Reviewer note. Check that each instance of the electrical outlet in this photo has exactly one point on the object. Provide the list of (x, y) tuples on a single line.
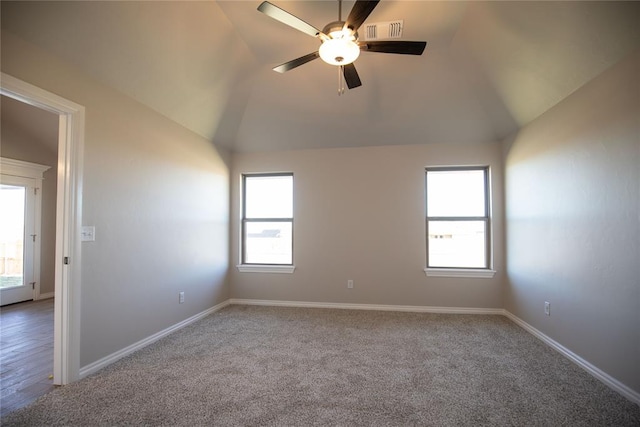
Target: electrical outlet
[(350, 284), (547, 308), (181, 297)]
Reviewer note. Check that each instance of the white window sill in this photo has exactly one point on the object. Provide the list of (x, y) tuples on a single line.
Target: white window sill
[(479, 273), (256, 268)]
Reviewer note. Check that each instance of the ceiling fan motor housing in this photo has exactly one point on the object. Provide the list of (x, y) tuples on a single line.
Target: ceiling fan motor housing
[(340, 46)]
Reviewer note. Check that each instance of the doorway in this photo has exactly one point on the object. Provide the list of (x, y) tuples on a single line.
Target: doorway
[(20, 219), (16, 249), (66, 358)]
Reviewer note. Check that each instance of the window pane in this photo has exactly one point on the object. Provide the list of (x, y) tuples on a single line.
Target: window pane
[(268, 243), (457, 244), (455, 193), (269, 196), (12, 200)]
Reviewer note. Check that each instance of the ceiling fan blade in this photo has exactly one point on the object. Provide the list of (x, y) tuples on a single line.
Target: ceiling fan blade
[(401, 47), (351, 76), (286, 18), (359, 13), (296, 62)]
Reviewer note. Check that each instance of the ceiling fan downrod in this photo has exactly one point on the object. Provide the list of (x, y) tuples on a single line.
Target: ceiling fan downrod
[(340, 67)]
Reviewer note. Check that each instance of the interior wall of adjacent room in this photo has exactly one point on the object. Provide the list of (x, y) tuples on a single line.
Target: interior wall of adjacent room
[(572, 180), (359, 214), (158, 196), (18, 145)]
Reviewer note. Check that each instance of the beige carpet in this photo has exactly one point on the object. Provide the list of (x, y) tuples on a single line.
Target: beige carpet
[(297, 367)]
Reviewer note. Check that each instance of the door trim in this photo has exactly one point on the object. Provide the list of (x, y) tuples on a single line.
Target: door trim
[(66, 357)]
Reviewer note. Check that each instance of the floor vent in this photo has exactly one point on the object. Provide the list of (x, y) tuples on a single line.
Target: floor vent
[(383, 30)]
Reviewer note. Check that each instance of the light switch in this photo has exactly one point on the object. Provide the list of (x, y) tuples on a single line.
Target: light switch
[(88, 233)]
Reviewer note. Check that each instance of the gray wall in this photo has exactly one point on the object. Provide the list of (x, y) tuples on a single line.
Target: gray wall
[(20, 145), (359, 213), (572, 184), (158, 196)]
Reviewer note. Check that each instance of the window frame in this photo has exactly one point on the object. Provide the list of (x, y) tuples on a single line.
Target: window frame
[(262, 267), (487, 270)]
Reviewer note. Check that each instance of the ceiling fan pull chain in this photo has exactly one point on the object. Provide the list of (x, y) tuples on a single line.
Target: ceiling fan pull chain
[(340, 80)]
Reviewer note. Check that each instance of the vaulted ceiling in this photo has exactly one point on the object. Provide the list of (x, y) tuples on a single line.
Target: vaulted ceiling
[(488, 69)]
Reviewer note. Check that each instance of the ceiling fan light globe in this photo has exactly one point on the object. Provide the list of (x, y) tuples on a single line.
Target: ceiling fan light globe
[(339, 51)]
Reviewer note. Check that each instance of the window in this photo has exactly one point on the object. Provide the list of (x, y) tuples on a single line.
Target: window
[(267, 219), (458, 223)]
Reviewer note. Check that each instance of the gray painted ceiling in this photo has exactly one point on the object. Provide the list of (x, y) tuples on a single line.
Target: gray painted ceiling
[(489, 67)]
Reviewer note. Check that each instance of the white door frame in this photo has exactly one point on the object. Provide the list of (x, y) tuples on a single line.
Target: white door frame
[(66, 357)]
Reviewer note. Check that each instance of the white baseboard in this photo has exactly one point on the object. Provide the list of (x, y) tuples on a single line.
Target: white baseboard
[(607, 379), (373, 307), (107, 360), (45, 295)]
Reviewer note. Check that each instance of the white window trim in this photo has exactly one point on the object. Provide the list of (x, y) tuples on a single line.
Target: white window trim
[(260, 268), (479, 273), (257, 268)]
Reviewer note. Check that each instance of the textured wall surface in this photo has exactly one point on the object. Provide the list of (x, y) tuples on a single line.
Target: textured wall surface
[(573, 222), (158, 195), (359, 213)]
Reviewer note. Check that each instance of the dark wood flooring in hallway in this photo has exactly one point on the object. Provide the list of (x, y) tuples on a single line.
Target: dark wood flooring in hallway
[(26, 353)]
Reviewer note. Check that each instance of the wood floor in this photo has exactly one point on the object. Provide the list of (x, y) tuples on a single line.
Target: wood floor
[(26, 353)]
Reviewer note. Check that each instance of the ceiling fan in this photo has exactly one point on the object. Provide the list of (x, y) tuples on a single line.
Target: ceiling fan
[(340, 45)]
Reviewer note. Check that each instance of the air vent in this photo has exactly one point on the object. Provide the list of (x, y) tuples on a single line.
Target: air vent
[(383, 30)]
